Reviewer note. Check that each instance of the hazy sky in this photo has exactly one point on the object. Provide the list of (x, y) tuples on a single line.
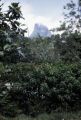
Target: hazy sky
[(47, 12)]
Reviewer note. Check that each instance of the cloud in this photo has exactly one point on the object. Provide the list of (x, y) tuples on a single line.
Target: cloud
[(31, 18), (26, 9)]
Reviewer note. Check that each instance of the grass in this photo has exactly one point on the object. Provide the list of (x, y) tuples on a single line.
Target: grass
[(52, 116)]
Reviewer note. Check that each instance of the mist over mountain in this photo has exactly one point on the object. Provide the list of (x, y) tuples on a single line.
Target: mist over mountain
[(40, 30)]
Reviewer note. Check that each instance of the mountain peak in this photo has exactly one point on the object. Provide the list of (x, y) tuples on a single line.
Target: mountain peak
[(40, 30)]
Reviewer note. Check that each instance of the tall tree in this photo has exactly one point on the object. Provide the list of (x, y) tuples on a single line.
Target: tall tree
[(69, 43), (10, 31), (72, 17)]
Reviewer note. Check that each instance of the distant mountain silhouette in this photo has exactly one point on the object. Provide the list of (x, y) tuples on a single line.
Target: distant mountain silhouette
[(40, 30)]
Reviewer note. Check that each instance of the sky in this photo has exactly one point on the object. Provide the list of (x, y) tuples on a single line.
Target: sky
[(47, 12)]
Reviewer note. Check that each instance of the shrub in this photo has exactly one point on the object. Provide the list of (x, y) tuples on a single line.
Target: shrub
[(37, 88)]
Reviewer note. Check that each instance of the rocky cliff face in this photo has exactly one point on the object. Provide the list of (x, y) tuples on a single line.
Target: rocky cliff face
[(40, 30)]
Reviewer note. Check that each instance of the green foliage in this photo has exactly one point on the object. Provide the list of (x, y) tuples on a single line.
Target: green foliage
[(68, 47), (65, 47), (72, 17), (39, 50), (37, 88), (39, 84), (68, 44), (53, 116), (10, 31)]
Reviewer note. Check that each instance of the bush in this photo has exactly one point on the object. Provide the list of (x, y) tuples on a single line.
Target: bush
[(38, 88)]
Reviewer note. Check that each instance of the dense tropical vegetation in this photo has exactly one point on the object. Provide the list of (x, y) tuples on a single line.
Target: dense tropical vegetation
[(40, 75)]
